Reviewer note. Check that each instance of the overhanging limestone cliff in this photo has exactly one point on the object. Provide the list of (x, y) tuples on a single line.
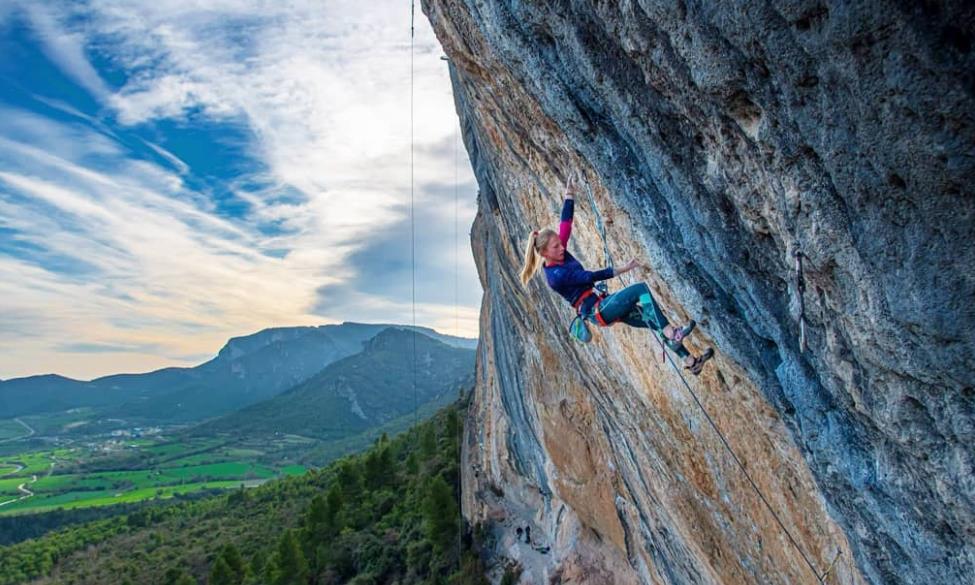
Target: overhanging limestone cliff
[(716, 135)]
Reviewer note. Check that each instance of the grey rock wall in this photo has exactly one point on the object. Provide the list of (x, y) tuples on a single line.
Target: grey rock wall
[(718, 137)]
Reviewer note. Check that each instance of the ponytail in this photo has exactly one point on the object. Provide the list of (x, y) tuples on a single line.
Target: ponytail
[(536, 241)]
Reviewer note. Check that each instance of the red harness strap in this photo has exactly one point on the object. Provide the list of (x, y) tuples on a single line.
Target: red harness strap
[(598, 315), (585, 295), (595, 309)]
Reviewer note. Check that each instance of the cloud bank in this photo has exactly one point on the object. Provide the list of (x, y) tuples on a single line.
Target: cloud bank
[(183, 172)]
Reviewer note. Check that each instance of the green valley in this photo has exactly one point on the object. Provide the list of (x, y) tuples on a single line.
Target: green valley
[(389, 514), (89, 476)]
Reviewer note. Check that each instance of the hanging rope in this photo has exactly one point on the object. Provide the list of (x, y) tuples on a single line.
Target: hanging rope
[(600, 226), (820, 577), (601, 229), (460, 523), (412, 218), (460, 426), (724, 441)]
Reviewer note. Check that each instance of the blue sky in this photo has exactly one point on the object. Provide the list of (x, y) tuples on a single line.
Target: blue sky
[(172, 176)]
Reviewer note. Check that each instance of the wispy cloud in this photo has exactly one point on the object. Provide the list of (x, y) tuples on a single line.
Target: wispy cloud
[(64, 47), (171, 257), (82, 347)]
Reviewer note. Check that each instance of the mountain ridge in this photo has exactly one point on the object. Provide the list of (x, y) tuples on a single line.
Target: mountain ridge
[(247, 369), (350, 395)]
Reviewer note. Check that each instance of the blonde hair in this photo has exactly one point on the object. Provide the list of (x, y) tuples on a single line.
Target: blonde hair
[(533, 258)]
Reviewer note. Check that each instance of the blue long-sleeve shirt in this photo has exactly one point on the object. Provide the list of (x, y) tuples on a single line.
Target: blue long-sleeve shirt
[(570, 279)]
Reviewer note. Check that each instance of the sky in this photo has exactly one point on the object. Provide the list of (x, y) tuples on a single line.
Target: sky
[(178, 172)]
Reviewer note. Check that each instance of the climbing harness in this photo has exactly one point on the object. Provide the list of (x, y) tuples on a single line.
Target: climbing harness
[(579, 328)]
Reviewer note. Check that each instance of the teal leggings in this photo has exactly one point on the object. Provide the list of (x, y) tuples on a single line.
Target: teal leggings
[(624, 305)]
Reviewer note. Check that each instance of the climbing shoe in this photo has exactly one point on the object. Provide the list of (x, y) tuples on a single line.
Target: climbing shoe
[(699, 361), (680, 334)]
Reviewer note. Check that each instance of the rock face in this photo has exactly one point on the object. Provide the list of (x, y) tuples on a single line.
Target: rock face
[(716, 136)]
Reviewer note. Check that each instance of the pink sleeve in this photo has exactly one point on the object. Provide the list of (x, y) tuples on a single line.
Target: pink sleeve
[(565, 223), (565, 230)]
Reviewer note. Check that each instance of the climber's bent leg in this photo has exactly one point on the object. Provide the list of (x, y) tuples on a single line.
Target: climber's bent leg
[(651, 312), (635, 306), (621, 304), (655, 319)]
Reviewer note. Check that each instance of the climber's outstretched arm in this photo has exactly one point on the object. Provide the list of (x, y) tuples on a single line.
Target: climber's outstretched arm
[(565, 221), (577, 276), (631, 265), (568, 205)]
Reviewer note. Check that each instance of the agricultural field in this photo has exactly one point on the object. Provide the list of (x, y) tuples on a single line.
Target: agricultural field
[(74, 459), (111, 468)]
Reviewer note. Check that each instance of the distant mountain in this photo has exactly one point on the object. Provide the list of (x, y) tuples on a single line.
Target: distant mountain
[(247, 370), (49, 392), (361, 391)]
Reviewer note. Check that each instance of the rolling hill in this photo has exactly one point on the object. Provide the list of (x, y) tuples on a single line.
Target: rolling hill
[(359, 392)]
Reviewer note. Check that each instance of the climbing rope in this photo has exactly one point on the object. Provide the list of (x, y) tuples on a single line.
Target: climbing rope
[(460, 523), (820, 577), (460, 426), (601, 286), (600, 226), (724, 441), (412, 217)]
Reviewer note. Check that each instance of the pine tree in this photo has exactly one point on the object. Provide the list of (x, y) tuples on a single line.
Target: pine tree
[(316, 520), (428, 442), (440, 514), (333, 517), (378, 467), (292, 568), (349, 478), (172, 576), (232, 557), (222, 574), (451, 424), (270, 570)]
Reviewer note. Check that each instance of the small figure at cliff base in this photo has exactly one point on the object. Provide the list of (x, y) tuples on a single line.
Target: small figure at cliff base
[(633, 305)]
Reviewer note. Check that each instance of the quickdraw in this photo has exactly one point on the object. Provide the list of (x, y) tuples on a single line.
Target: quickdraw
[(801, 288)]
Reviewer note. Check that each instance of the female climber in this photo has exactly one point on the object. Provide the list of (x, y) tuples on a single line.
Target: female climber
[(634, 305)]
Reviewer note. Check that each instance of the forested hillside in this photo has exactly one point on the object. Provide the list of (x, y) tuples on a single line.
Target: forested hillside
[(387, 515)]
